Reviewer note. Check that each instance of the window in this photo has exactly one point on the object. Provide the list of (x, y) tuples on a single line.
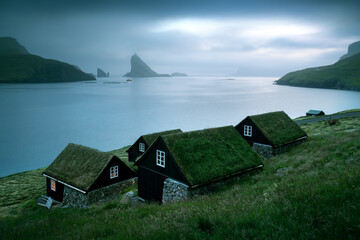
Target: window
[(142, 147), (247, 131), (53, 185), (114, 172), (160, 158)]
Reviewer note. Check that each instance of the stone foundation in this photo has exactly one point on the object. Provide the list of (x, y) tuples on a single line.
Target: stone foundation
[(267, 151), (175, 191), (75, 198)]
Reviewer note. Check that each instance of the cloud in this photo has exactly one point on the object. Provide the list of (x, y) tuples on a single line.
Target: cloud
[(196, 37)]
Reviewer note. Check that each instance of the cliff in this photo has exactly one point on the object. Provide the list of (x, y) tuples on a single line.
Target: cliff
[(140, 69), (9, 46), (353, 49)]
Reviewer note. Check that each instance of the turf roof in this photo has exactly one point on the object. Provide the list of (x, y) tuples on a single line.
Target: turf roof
[(314, 111), (150, 138), (78, 166), (278, 127), (206, 155)]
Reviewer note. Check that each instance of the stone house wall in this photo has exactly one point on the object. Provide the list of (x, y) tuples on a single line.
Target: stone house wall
[(175, 191), (267, 151), (75, 198)]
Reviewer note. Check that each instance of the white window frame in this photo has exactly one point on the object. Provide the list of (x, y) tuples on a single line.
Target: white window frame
[(160, 158), (247, 130), (142, 147), (114, 172), (53, 185)]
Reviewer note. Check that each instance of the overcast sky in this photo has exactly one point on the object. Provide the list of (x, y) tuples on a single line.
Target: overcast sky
[(205, 37)]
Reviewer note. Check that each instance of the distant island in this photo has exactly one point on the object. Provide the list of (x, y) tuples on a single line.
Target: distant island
[(140, 69), (344, 74), (177, 74), (17, 65), (101, 73)]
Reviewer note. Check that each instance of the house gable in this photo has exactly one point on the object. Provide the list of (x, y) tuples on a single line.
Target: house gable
[(104, 179), (171, 169), (134, 151), (152, 176), (257, 135)]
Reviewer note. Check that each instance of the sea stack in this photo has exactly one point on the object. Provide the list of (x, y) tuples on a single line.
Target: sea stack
[(101, 73), (140, 69)]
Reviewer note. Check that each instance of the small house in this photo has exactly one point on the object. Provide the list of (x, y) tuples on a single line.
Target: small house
[(183, 165), (315, 113), (270, 133), (80, 176), (144, 142)]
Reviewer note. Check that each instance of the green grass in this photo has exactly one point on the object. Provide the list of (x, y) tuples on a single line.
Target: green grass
[(310, 192), (309, 117)]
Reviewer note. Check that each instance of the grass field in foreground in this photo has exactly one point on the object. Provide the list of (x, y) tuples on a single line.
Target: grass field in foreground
[(311, 192)]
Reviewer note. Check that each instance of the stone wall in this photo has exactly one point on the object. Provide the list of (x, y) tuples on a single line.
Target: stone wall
[(75, 198), (174, 191), (265, 151)]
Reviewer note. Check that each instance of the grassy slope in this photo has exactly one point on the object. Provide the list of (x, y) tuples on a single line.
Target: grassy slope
[(311, 192), (344, 74), (34, 69)]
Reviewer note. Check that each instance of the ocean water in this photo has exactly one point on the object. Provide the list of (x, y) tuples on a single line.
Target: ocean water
[(37, 121)]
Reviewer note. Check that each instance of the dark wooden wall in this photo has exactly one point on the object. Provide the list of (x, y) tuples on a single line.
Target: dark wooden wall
[(58, 194), (257, 135), (104, 179), (133, 151), (151, 177)]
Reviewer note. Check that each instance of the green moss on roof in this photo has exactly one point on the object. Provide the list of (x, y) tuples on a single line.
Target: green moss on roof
[(210, 154), (78, 166), (150, 138), (122, 154), (278, 127)]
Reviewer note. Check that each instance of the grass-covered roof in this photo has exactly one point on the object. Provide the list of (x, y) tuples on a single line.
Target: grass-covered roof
[(206, 155), (78, 166), (314, 111), (150, 138), (278, 127)]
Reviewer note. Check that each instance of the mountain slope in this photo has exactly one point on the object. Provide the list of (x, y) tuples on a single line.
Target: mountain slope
[(34, 69), (344, 74), (9, 46), (17, 65)]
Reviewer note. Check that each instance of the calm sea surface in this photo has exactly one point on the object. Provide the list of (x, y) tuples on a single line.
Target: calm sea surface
[(38, 120)]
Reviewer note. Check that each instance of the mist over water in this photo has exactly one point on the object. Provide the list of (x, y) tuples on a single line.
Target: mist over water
[(38, 120)]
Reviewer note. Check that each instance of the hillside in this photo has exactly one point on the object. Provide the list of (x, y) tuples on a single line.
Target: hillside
[(17, 65), (34, 69), (9, 46), (344, 74), (311, 192)]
